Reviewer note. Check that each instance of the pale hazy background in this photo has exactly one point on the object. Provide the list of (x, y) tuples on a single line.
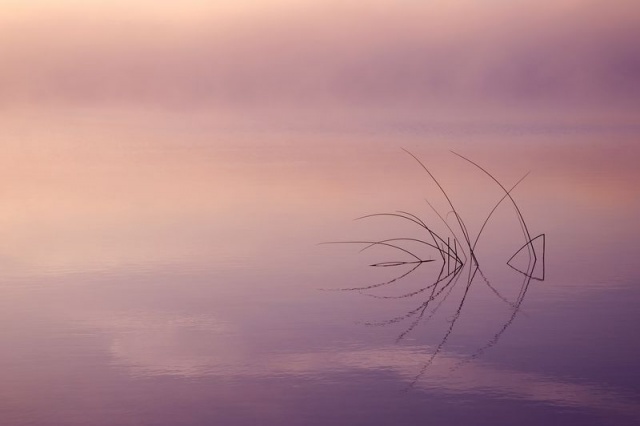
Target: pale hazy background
[(576, 55)]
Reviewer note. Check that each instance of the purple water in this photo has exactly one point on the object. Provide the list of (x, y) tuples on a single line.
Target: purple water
[(166, 270)]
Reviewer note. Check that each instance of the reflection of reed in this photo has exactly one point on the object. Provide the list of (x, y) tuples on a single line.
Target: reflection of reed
[(457, 255)]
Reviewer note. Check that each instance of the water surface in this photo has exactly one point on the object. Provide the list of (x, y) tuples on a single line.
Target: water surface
[(162, 268)]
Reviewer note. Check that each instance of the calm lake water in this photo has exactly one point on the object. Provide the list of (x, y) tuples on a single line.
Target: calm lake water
[(166, 268)]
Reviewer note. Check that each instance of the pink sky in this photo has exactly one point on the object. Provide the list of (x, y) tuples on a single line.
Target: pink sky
[(292, 53)]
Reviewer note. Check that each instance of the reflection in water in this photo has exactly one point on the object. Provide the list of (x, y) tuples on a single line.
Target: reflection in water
[(479, 378), (153, 344), (457, 251)]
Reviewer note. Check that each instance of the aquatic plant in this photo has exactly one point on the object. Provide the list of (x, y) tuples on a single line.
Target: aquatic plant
[(457, 252)]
